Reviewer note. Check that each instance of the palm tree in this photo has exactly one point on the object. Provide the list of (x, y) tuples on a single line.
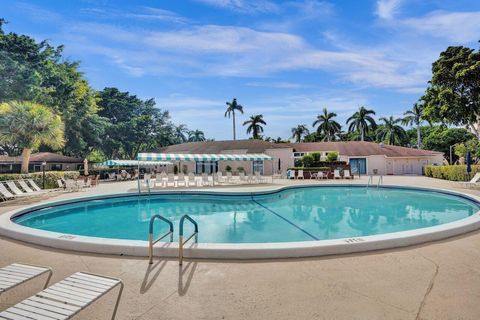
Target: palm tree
[(181, 133), (299, 132), (196, 136), (231, 108), (361, 121), (326, 125), (414, 117), (391, 131), (255, 125), (29, 125)]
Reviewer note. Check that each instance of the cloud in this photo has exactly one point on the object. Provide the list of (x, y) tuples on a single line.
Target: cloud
[(278, 85), (144, 14), (387, 9), (244, 6)]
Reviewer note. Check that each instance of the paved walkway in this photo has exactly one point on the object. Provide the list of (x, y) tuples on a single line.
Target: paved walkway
[(439, 280)]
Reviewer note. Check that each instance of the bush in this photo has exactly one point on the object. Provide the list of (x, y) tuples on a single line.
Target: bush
[(185, 169), (452, 173), (315, 169), (308, 160), (51, 177), (175, 169), (228, 168), (332, 156), (316, 156), (240, 169)]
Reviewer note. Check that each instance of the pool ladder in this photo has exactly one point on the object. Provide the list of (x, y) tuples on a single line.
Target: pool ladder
[(181, 242), (379, 182)]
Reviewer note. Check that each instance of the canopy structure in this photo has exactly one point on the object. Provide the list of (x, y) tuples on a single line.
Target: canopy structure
[(131, 163), (202, 157)]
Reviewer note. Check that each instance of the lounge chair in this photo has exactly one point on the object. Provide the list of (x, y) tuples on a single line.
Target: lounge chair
[(205, 181), (66, 298), (16, 274), (229, 177), (13, 187), (181, 180), (5, 193), (61, 184), (191, 179), (170, 180), (336, 174), (34, 185), (250, 178), (473, 182), (300, 174), (71, 185), (27, 188), (321, 175), (241, 177), (347, 175), (259, 177), (219, 177)]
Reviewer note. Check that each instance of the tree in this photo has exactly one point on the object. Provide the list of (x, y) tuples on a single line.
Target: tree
[(415, 117), (196, 136), (181, 133), (299, 132), (255, 125), (29, 125), (440, 139), (231, 108), (453, 95), (326, 125), (361, 121), (391, 132)]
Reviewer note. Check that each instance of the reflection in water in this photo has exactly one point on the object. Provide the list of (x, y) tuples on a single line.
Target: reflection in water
[(362, 221), (302, 212), (256, 219), (328, 221)]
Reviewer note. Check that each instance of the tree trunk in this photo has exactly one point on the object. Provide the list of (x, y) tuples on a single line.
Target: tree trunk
[(25, 159), (362, 135), (419, 138), (234, 137)]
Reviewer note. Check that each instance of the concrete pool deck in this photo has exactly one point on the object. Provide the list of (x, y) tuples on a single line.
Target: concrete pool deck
[(437, 280)]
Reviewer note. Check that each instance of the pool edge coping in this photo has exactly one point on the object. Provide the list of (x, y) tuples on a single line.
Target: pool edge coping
[(108, 246)]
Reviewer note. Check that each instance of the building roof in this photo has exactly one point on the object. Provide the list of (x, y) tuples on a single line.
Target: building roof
[(362, 148), (251, 146), (43, 156)]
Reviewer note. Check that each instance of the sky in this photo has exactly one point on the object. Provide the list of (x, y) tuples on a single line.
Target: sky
[(286, 60)]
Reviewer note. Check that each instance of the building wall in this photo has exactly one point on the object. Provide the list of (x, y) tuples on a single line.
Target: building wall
[(285, 155)]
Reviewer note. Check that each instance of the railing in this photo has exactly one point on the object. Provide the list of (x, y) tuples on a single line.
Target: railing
[(151, 242), (370, 180), (181, 243)]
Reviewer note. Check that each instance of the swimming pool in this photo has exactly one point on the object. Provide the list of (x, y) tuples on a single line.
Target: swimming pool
[(291, 216)]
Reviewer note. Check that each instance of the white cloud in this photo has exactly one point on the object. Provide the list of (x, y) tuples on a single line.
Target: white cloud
[(278, 85), (387, 9), (244, 6)]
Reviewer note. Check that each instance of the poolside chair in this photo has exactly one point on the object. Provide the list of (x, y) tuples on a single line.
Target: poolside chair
[(259, 177), (336, 174), (320, 175), (219, 177), (66, 298), (71, 185), (191, 179), (34, 185), (181, 180), (13, 188), (27, 188), (241, 177), (16, 274), (300, 174), (61, 184), (170, 180), (205, 181), (5, 193), (229, 177), (473, 182), (347, 174)]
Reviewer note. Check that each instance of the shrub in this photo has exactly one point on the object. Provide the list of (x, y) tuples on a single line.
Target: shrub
[(452, 173), (240, 169), (307, 160), (316, 156), (332, 156), (51, 177), (228, 168), (175, 169), (185, 169)]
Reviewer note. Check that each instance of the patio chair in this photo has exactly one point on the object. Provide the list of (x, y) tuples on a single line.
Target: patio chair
[(347, 174), (300, 174), (61, 184), (191, 180), (13, 188), (229, 177), (27, 188), (259, 177), (16, 274), (66, 298), (473, 182), (250, 178), (181, 180), (170, 180), (34, 185), (5, 193), (71, 185), (205, 181), (336, 174), (220, 177), (241, 177)]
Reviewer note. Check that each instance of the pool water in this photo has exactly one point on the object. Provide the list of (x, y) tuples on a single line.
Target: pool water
[(296, 214)]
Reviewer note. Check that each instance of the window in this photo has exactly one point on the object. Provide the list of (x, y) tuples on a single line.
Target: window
[(37, 167), (56, 167), (257, 166), (206, 167)]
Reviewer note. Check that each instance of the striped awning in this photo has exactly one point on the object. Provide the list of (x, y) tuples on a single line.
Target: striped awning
[(127, 163), (202, 157)]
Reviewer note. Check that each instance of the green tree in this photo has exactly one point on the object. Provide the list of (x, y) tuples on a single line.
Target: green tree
[(453, 95), (181, 133), (391, 132), (415, 117), (231, 108), (327, 127), (440, 139), (29, 125), (361, 121), (196, 136), (299, 132), (255, 125)]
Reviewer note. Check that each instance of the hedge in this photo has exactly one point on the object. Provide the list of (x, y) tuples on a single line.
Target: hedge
[(452, 173), (51, 177)]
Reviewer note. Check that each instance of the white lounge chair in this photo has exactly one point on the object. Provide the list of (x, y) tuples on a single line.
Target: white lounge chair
[(347, 174), (34, 185), (191, 180), (300, 174), (241, 177), (13, 187), (219, 177), (320, 175), (259, 177), (473, 182), (229, 177), (5, 193), (205, 181), (170, 180), (66, 298), (336, 174), (17, 273), (27, 188), (61, 184), (181, 180), (71, 185)]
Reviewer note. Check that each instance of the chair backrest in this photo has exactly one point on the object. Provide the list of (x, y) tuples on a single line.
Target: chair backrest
[(13, 187), (171, 177), (163, 174), (181, 176), (320, 174), (346, 173), (34, 185), (60, 183), (220, 174), (191, 176), (25, 186), (229, 174), (257, 174), (475, 178), (300, 173), (336, 173), (241, 175), (4, 191), (204, 177)]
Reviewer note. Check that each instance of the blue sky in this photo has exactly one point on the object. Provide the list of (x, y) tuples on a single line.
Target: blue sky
[(283, 59)]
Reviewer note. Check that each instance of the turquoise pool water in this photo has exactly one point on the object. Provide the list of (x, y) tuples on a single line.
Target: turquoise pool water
[(297, 214)]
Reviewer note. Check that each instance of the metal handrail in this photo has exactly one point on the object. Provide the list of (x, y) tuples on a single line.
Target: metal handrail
[(380, 181), (151, 242), (181, 243)]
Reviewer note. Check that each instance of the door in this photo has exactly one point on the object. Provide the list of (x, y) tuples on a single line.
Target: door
[(358, 165), (390, 167)]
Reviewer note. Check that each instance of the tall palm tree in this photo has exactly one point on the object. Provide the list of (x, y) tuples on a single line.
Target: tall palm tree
[(391, 131), (29, 125), (196, 136), (231, 108), (181, 133), (414, 117), (255, 125), (326, 125), (361, 121), (299, 132)]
